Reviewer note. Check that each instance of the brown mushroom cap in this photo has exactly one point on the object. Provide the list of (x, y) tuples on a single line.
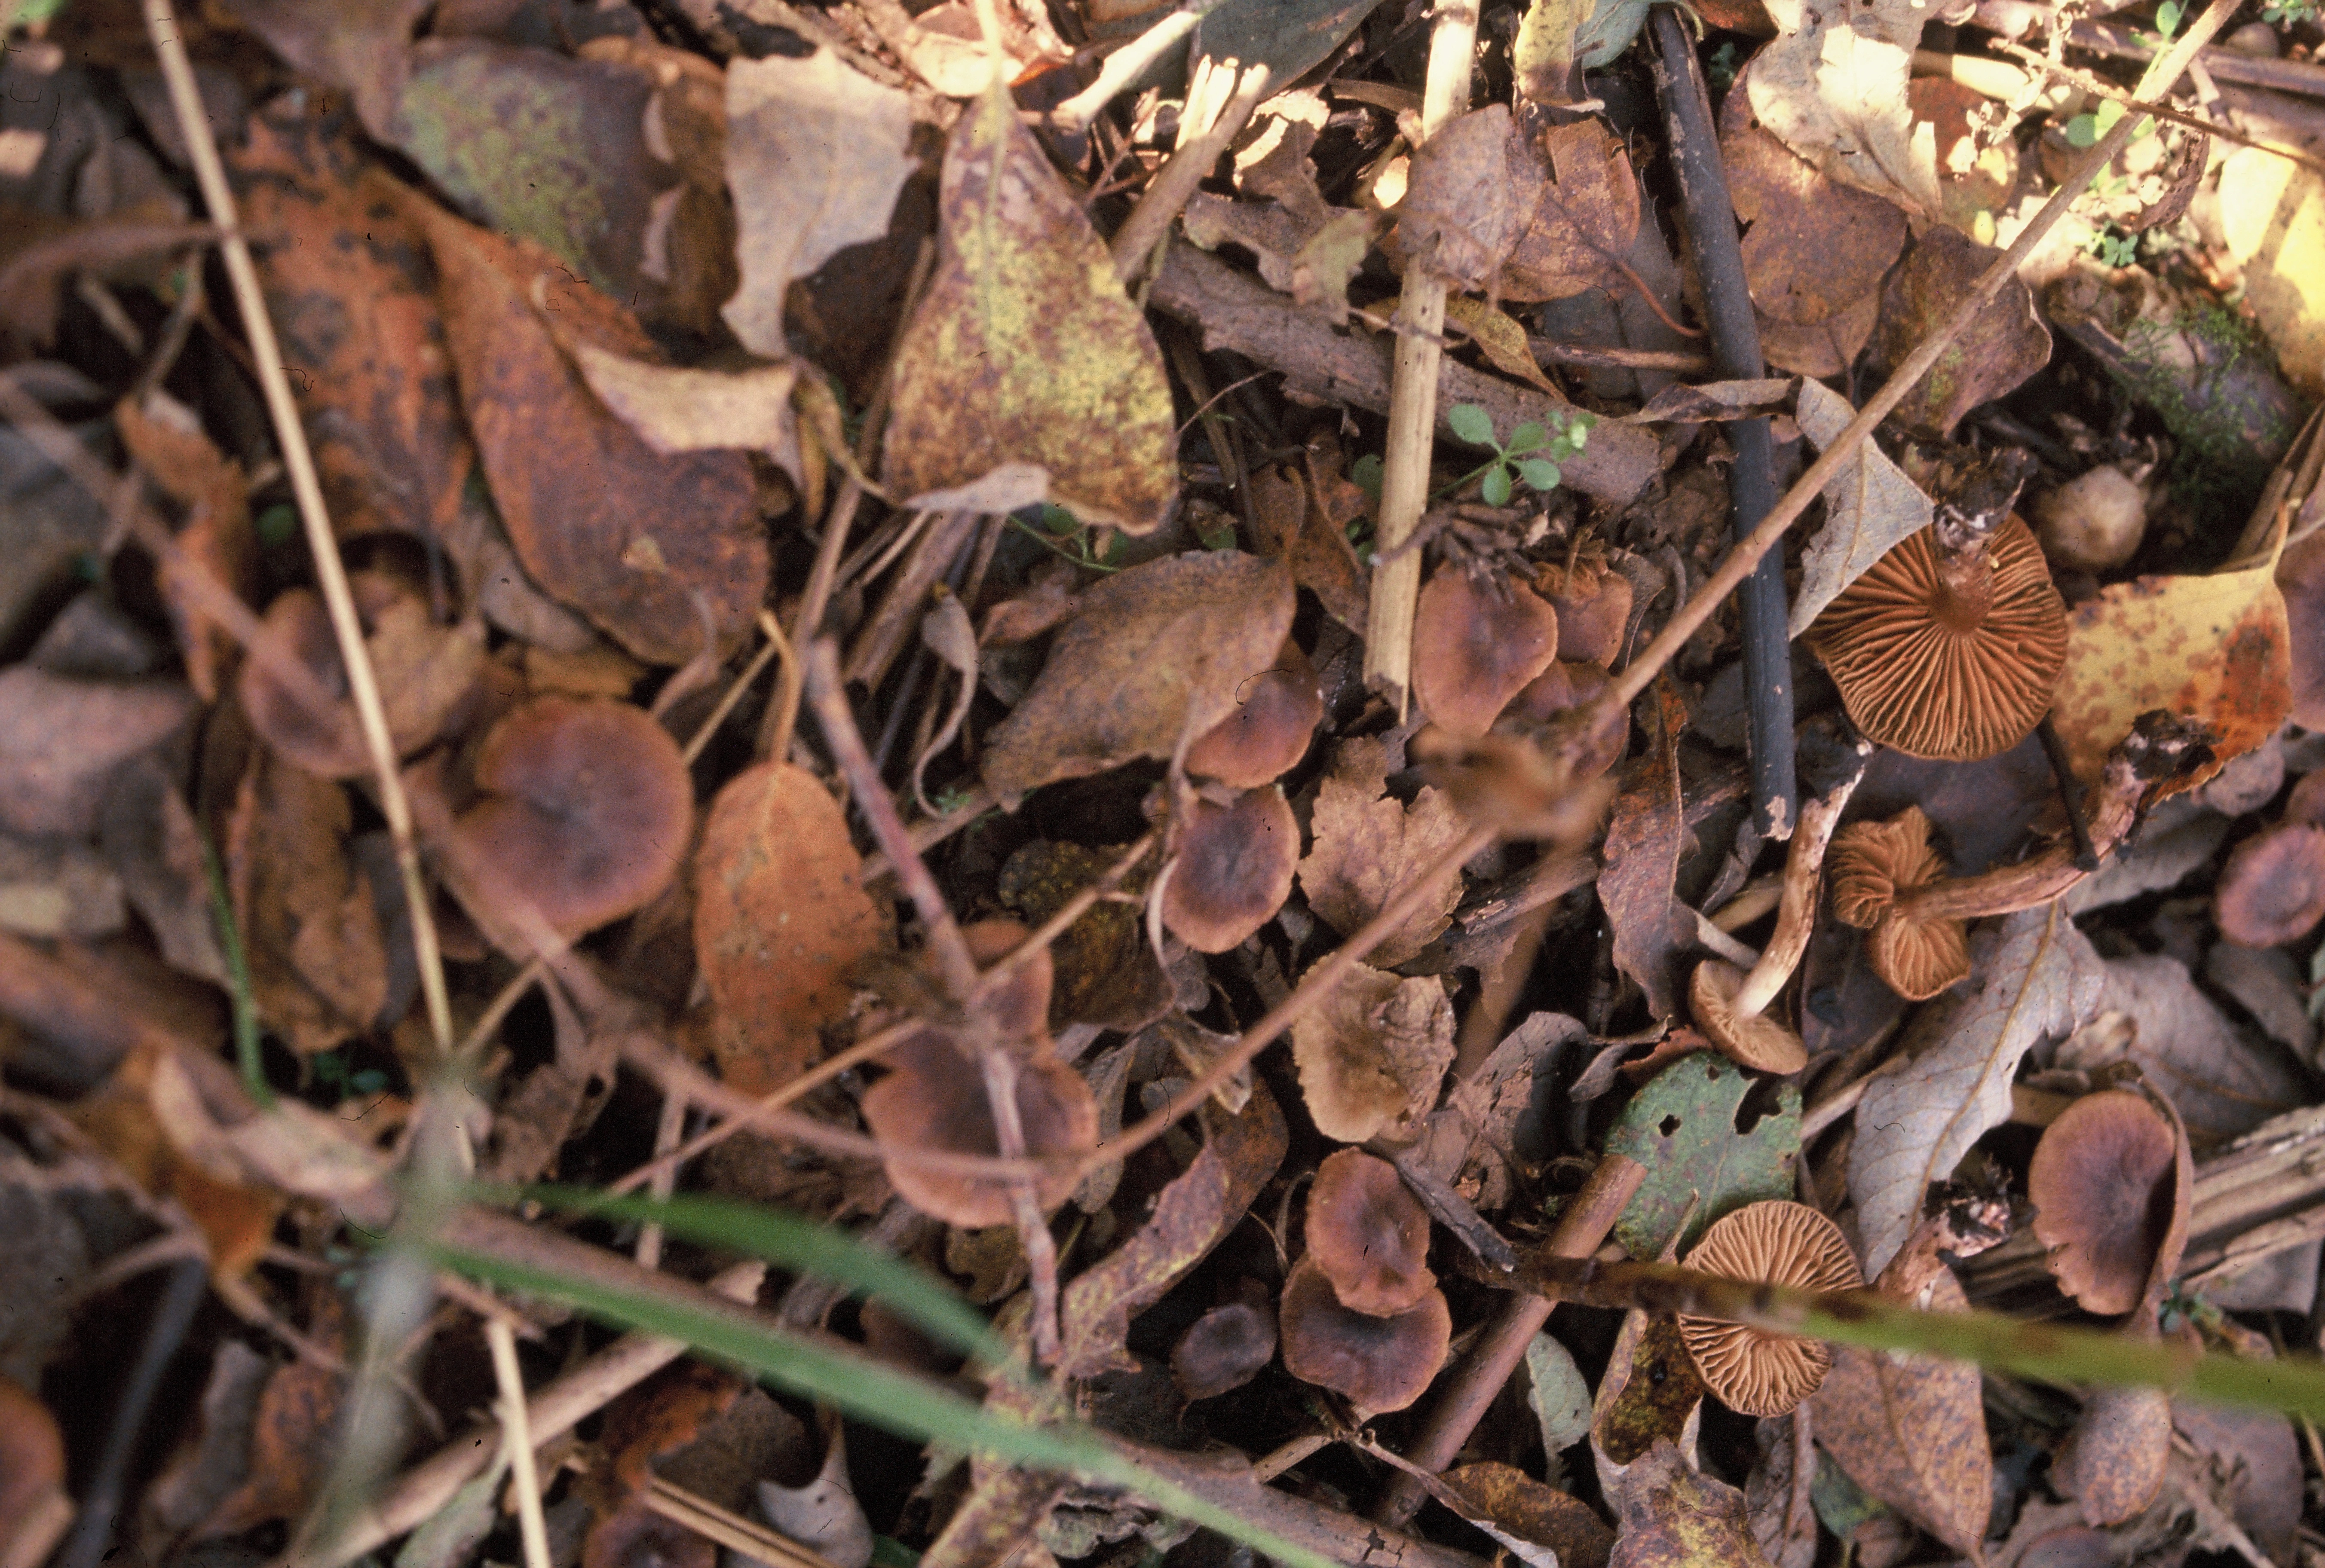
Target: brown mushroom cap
[(2306, 803), (1474, 649), (2300, 575), (1017, 1007), (1758, 1042), (2273, 888), (1225, 1348), (1369, 1234), (1924, 668), (2104, 1182), (587, 813), (936, 1100), (1752, 1372), (1276, 714), (1871, 865), (1233, 871), (1594, 607), (1378, 1364)]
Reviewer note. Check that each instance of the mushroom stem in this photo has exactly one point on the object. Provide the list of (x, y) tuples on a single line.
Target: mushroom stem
[(2007, 889), (1796, 909), (2070, 799)]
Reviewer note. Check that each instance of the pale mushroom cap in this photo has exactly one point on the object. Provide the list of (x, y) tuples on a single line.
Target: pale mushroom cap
[(1756, 1373), (1378, 1364), (1759, 1042), (1234, 869), (1940, 686), (2273, 888), (2103, 1181), (1369, 1234), (1871, 865), (1473, 650)]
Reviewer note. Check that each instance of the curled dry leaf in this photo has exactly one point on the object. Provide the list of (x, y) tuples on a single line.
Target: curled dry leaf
[(1026, 374), (424, 671), (1814, 248), (816, 154), (1153, 655), (1910, 1430), (1468, 195), (62, 741), (781, 921), (1231, 869), (1510, 1503), (216, 536), (2006, 343), (1643, 835), (1372, 1054), (1367, 845), (353, 296), (1377, 1363), (291, 1446), (2034, 976), (1831, 87), (654, 550), (1191, 1215)]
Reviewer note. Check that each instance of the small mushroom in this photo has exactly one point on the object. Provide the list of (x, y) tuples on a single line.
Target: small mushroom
[(2105, 1182), (1474, 648), (1594, 609), (1225, 1347), (1750, 1371), (1233, 869), (935, 1100), (1948, 656), (2093, 521), (1874, 865), (587, 813), (1276, 714), (1377, 1363), (1562, 689), (1729, 1005), (1369, 1234), (2273, 888)]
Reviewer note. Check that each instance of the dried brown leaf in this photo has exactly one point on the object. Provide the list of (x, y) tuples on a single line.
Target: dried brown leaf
[(781, 921), (1643, 838), (1152, 654), (1582, 223), (1672, 1517), (1470, 189), (1106, 973), (1813, 247), (1515, 1504), (61, 741), (216, 536), (1367, 845), (2004, 344), (317, 959)]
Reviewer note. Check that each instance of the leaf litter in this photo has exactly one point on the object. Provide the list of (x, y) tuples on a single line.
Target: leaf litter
[(1077, 948)]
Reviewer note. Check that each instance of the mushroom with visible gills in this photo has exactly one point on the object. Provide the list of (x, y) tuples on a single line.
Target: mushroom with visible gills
[(1750, 1371)]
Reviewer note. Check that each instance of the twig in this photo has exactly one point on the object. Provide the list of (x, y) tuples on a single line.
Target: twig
[(555, 1408), (730, 1530), (106, 1492), (1549, 351), (1125, 65), (2099, 86), (1709, 216), (1613, 705), (2301, 79), (1581, 1228), (516, 1433), (1167, 194), (299, 464), (2071, 795), (1412, 389)]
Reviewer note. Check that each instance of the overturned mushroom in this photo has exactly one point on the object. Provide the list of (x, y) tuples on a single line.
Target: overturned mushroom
[(1277, 710), (1948, 653), (2106, 1182), (1368, 1234), (1377, 1363), (1875, 866), (1729, 1005), (2273, 888), (1232, 869), (587, 813), (1474, 648), (1750, 1371)]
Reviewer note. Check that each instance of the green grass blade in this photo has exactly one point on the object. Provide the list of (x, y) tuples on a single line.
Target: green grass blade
[(237, 973), (803, 1247), (886, 1397)]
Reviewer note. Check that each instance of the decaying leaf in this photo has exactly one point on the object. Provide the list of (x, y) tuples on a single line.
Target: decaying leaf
[(2273, 218), (1522, 1513), (2033, 976), (1466, 200), (62, 741), (1651, 1393), (2222, 1080), (1372, 1054), (1107, 973), (1682, 1125), (1026, 375), (1831, 87), (1910, 1430), (816, 153), (1557, 1391), (1644, 836), (781, 921), (1191, 1216), (1815, 247), (1869, 507), (655, 549), (364, 46), (1153, 656), (1674, 1516), (2006, 343), (1369, 844), (290, 1449)]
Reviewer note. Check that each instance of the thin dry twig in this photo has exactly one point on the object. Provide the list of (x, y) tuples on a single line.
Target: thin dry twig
[(516, 1429), (306, 488)]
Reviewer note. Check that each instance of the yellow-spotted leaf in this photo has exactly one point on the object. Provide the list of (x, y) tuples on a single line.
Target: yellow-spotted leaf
[(1027, 374)]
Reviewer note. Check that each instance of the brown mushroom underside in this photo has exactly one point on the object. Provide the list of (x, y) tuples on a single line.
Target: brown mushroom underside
[(1759, 1041), (1871, 866), (1923, 672), (1755, 1373)]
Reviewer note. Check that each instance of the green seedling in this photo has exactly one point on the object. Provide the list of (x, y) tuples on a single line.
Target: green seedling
[(1531, 453)]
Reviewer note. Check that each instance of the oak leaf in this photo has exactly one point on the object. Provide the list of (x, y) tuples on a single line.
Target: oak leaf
[(1369, 844), (1373, 1053)]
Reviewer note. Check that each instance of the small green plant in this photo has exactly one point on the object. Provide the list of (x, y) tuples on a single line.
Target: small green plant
[(2085, 130), (2113, 247), (1531, 453), (2288, 12), (2168, 17), (1722, 67), (1061, 532)]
